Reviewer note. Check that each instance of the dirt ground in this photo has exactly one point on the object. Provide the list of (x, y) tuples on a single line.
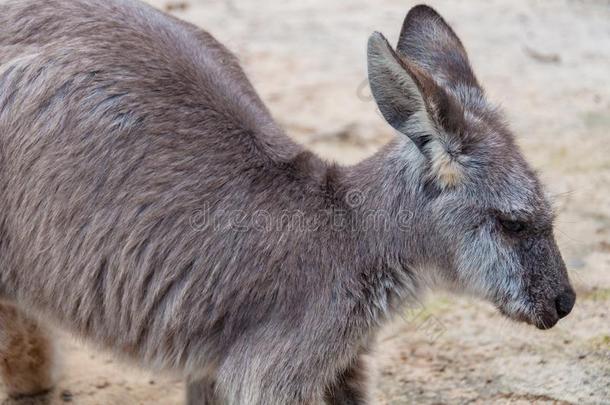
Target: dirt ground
[(548, 65)]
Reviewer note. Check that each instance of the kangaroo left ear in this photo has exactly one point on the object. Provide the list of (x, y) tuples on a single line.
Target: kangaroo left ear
[(417, 107), (398, 91)]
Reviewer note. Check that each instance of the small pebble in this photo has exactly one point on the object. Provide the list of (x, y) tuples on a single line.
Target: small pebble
[(66, 396), (102, 384), (176, 6)]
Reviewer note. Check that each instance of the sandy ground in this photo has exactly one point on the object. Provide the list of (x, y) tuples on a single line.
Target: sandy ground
[(548, 65)]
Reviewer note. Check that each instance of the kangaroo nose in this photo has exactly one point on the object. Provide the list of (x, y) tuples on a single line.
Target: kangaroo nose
[(565, 302)]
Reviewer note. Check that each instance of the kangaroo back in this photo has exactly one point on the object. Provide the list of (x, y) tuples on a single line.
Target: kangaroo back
[(117, 123)]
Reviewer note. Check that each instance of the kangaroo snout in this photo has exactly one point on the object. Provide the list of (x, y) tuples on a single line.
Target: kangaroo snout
[(565, 302), (559, 307)]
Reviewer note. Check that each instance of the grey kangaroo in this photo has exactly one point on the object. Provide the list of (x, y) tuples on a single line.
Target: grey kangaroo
[(149, 200)]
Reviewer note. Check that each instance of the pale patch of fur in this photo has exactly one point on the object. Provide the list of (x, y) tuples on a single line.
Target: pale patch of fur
[(490, 271), (447, 170)]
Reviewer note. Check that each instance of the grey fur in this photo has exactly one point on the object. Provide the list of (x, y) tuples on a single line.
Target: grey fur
[(120, 124)]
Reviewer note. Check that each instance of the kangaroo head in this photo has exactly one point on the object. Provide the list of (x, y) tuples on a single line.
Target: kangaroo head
[(487, 209)]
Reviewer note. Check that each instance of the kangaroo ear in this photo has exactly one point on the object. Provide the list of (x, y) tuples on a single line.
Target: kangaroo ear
[(430, 43), (416, 106), (397, 91)]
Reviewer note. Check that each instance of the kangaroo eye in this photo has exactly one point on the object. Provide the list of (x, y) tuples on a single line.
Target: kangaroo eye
[(512, 226)]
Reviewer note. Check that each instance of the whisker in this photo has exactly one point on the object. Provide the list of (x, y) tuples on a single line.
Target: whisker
[(575, 241)]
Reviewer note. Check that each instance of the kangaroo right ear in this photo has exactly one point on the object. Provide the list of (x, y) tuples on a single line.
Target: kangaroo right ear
[(432, 45)]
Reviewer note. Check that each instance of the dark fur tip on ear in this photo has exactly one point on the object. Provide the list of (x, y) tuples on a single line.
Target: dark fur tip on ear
[(425, 15), (422, 11), (428, 41)]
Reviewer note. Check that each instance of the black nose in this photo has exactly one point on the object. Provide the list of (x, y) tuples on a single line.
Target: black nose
[(565, 302)]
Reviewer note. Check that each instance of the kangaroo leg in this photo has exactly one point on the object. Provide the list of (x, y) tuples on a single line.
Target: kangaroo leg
[(350, 387), (202, 392), (26, 354)]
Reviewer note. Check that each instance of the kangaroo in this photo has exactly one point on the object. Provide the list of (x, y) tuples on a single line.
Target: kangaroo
[(149, 200)]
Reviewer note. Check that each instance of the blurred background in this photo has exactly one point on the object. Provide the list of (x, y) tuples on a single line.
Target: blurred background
[(548, 65)]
